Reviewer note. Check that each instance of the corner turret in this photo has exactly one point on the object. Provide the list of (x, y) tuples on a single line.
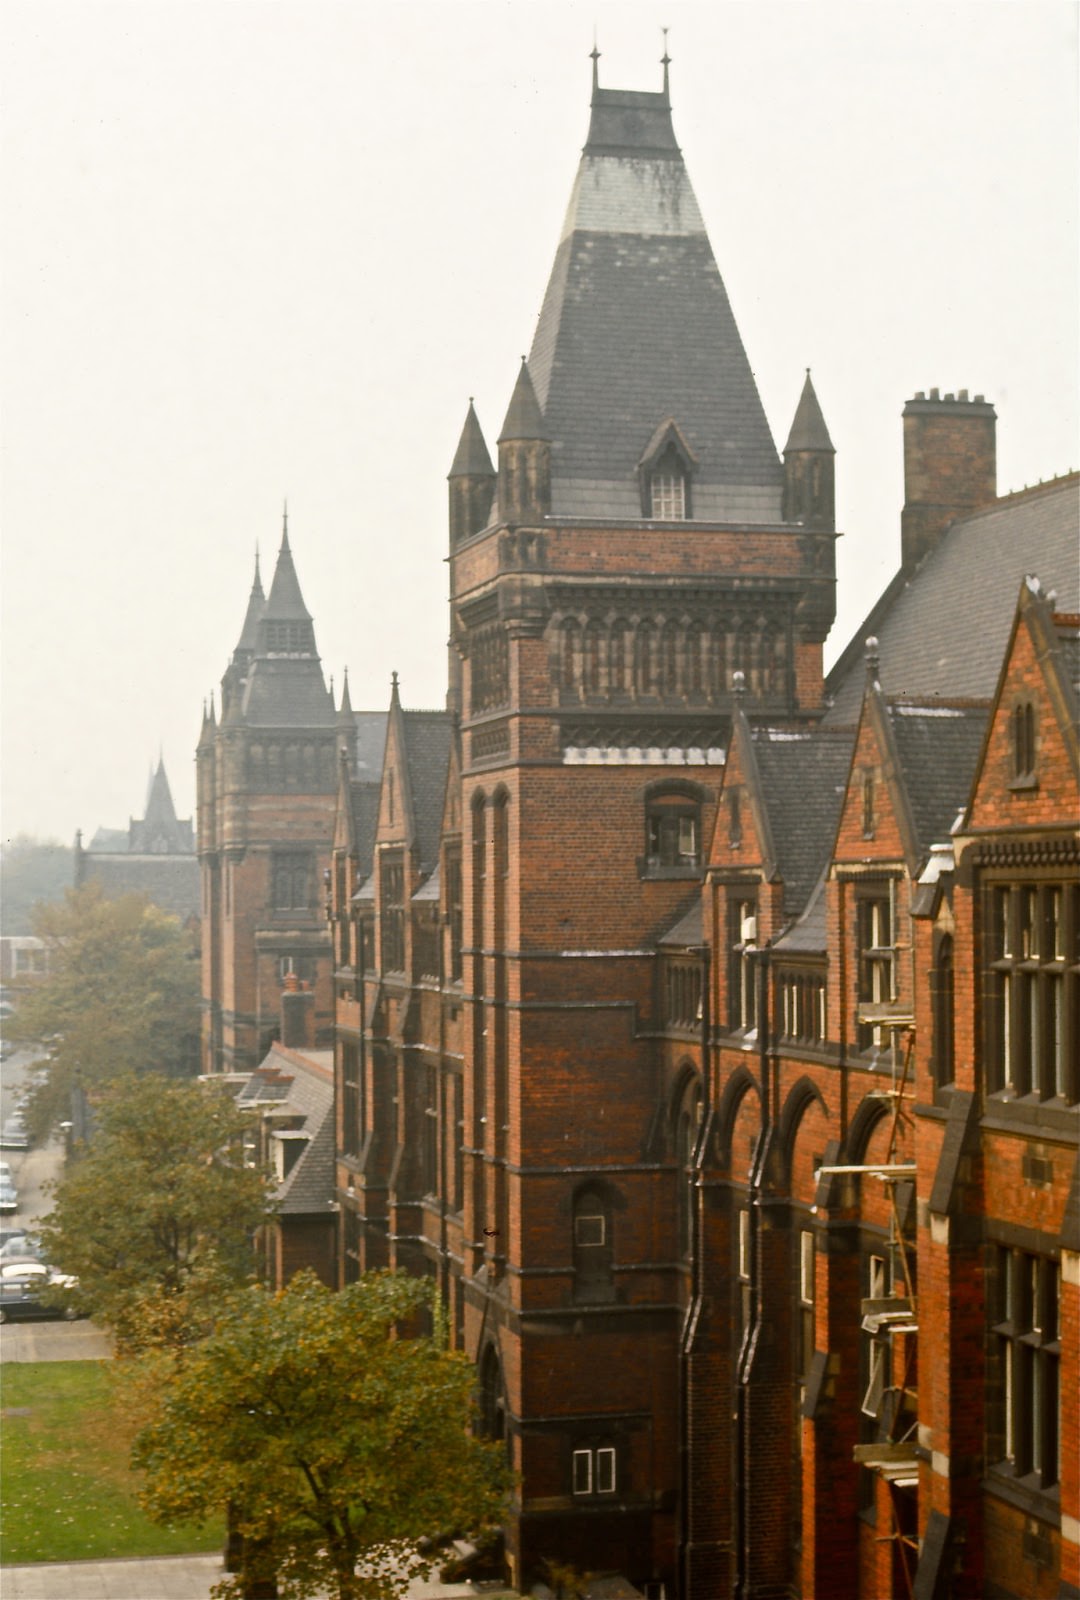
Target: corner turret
[(524, 456), (809, 466), (472, 480)]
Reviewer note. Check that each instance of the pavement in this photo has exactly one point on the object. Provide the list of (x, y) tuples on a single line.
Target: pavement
[(169, 1578)]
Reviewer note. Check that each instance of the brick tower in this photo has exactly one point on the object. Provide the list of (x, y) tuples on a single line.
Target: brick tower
[(267, 782), (632, 559)]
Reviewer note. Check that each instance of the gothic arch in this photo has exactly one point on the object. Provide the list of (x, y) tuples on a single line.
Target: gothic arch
[(862, 1126), (802, 1096), (736, 1089)]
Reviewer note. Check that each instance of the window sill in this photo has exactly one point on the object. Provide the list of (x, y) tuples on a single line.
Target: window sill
[(1025, 1494), (1024, 784), (683, 873)]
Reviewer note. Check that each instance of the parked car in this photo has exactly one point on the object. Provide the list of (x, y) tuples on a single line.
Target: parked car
[(18, 1245), (14, 1136), (21, 1298), (9, 1200)]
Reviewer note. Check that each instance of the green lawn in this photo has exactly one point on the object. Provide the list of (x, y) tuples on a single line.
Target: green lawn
[(66, 1493)]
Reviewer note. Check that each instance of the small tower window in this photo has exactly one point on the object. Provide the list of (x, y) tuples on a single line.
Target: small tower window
[(1023, 742), (664, 473)]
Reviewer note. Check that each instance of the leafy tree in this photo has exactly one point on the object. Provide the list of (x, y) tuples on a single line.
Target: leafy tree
[(156, 1216), (31, 870), (337, 1443), (121, 996)]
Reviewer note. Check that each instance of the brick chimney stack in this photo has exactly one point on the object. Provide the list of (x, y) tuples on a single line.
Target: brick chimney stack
[(950, 466), (297, 1015)]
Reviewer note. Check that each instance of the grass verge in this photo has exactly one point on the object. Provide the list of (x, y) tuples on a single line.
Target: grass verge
[(66, 1490)]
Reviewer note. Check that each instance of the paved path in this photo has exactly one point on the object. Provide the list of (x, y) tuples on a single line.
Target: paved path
[(174, 1578), (53, 1341)]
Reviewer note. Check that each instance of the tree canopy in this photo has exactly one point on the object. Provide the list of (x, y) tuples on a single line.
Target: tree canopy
[(336, 1443), (31, 870), (121, 996), (155, 1216)]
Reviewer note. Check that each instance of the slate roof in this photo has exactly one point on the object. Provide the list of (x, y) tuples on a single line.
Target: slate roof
[(427, 744), (300, 1083), (170, 882), (471, 459), (688, 928), (287, 692), (285, 603), (803, 777), (938, 748), (636, 326), (943, 628), (808, 934), (364, 795), (370, 744), (808, 430)]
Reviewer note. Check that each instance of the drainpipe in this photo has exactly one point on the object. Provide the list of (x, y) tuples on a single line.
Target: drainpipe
[(751, 1336)]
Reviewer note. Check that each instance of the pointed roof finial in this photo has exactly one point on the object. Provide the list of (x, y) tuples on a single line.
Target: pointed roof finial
[(346, 702), (873, 660), (285, 526), (257, 585), (738, 683), (665, 62), (595, 55)]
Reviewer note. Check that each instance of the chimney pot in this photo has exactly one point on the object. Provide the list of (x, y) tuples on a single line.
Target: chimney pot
[(935, 394), (962, 394)]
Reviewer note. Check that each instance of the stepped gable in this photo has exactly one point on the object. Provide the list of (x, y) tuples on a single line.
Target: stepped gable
[(947, 623), (636, 328), (803, 776)]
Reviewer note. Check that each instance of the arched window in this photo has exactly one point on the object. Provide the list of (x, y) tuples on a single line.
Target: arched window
[(492, 1399), (1023, 742), (593, 1246), (592, 669), (618, 657), (672, 830), (667, 485), (571, 646), (645, 663), (687, 1127), (942, 999), (669, 660), (696, 659)]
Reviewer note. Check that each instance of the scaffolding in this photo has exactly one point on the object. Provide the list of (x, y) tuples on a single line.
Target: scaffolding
[(891, 1316)]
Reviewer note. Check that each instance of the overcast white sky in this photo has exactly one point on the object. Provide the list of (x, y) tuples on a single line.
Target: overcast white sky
[(260, 250)]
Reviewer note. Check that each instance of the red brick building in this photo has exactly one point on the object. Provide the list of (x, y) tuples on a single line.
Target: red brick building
[(722, 1079), (267, 777)]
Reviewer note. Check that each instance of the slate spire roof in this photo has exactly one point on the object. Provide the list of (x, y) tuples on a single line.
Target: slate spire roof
[(471, 459), (636, 327), (285, 603), (255, 608), (524, 419), (808, 430)]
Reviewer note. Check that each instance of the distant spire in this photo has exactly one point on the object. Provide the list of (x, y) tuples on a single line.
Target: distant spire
[(346, 702), (595, 54), (285, 526), (665, 61), (524, 419), (258, 575), (285, 602), (255, 607)]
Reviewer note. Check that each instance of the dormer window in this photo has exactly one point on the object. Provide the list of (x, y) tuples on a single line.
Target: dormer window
[(665, 472), (668, 490)]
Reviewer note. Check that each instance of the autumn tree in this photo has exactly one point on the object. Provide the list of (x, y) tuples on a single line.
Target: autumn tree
[(337, 1441), (121, 996), (155, 1217)]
